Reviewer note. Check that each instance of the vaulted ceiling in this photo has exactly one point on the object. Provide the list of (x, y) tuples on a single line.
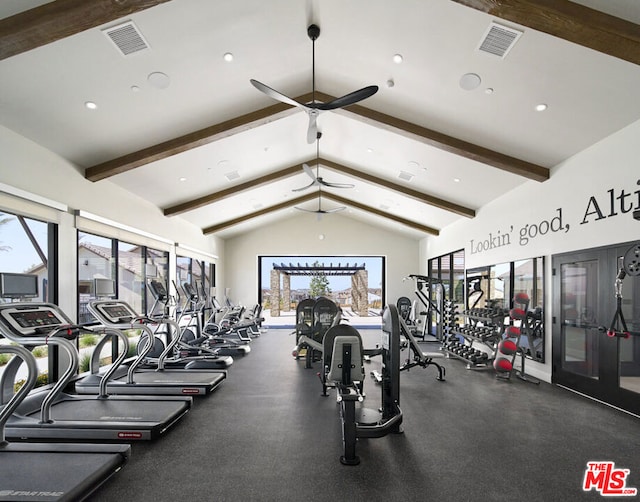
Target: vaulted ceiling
[(452, 127)]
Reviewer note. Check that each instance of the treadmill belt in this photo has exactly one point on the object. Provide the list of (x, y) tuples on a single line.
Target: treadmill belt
[(116, 411), (47, 476)]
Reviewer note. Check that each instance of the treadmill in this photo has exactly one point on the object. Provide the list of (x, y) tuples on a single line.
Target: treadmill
[(48, 471), (116, 316), (50, 413)]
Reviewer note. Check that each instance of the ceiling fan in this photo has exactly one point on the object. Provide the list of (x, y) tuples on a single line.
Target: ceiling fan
[(317, 179), (314, 108), (321, 211)]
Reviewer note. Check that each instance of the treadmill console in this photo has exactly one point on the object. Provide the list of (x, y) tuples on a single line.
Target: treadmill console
[(114, 312), (32, 320)]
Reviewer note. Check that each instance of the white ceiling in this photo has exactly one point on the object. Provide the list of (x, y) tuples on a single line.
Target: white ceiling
[(589, 95)]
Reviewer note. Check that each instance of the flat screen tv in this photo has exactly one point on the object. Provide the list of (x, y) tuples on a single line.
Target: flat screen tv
[(13, 285), (103, 287)]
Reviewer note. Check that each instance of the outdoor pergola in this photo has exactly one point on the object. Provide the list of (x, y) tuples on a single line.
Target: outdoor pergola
[(282, 273)]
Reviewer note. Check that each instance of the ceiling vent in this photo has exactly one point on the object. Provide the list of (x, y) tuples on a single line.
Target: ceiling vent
[(498, 40), (127, 38), (406, 176), (233, 175)]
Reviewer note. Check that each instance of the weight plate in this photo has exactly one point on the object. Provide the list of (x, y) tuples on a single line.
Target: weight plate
[(632, 260)]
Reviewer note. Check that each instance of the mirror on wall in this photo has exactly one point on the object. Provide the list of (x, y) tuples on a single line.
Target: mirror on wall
[(494, 286)]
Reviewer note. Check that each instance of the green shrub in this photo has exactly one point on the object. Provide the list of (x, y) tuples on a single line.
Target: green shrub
[(43, 379), (84, 363), (5, 358), (88, 341), (41, 351)]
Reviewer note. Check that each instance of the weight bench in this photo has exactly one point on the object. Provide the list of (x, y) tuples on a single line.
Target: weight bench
[(420, 358)]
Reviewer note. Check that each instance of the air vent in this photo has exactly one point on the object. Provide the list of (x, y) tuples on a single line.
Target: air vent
[(498, 40), (127, 38), (233, 175), (406, 176)]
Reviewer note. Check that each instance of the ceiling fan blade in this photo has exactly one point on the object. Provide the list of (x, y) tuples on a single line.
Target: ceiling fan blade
[(305, 209), (272, 93), (348, 99), (309, 172), (336, 185), (313, 183), (312, 131)]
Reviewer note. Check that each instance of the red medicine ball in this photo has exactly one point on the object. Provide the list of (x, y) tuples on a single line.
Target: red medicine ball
[(507, 347), (502, 364)]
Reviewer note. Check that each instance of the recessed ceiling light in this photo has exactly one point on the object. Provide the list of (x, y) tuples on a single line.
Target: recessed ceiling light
[(457, 180), (397, 58), (369, 150), (183, 179), (228, 57), (135, 88), (541, 107), (90, 105), (488, 90)]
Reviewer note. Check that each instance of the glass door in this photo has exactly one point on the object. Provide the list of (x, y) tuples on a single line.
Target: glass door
[(585, 358)]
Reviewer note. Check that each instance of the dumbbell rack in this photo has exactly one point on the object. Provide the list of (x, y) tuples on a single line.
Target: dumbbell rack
[(484, 327)]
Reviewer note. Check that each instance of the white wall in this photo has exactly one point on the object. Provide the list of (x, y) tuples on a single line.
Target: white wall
[(27, 166), (604, 179), (299, 236)]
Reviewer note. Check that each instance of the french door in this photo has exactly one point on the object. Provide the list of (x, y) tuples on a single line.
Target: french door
[(585, 358)]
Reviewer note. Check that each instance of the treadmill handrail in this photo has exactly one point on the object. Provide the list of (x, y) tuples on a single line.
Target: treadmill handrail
[(32, 375), (108, 332)]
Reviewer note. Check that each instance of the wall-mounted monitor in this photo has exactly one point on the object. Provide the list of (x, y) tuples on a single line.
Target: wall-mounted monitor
[(150, 270), (103, 287), (13, 285)]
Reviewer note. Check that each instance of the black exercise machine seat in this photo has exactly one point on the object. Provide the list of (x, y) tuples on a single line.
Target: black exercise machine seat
[(53, 471)]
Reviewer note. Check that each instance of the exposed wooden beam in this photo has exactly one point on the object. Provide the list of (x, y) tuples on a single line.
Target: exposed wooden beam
[(228, 192), (570, 21), (373, 210), (313, 195), (255, 214), (442, 141), (280, 110), (192, 140), (53, 21), (409, 192), (296, 169)]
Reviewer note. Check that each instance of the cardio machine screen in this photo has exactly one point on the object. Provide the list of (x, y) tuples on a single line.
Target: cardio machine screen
[(116, 312), (28, 320)]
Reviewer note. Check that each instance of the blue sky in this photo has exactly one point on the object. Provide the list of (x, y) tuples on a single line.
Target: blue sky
[(373, 265), (21, 255)]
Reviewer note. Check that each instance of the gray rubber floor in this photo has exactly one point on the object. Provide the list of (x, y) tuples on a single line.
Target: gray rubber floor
[(268, 434)]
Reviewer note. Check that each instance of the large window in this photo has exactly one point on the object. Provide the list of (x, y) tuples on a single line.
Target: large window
[(127, 265), (446, 275), (356, 283), (29, 246), (25, 247)]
